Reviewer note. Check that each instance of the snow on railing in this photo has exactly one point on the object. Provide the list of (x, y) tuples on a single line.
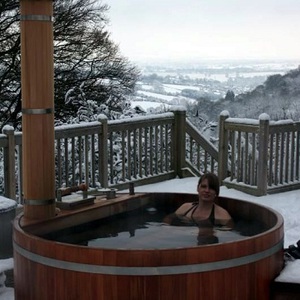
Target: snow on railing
[(259, 156)]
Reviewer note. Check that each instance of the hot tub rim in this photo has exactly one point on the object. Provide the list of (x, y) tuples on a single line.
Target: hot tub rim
[(260, 240)]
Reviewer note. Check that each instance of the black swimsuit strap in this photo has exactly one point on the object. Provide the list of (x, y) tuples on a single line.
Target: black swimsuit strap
[(193, 207), (211, 217)]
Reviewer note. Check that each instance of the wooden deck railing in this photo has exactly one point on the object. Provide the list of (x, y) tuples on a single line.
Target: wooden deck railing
[(108, 154), (259, 156), (201, 155), (254, 156)]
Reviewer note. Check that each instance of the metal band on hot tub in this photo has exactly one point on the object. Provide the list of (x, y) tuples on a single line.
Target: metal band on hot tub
[(148, 271)]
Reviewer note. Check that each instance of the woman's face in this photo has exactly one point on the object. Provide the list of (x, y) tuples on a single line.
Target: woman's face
[(204, 192)]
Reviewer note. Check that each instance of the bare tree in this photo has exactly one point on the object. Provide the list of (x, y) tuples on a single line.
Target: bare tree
[(10, 90), (87, 61)]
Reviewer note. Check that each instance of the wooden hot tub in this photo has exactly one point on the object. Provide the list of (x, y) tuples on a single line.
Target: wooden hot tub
[(241, 269)]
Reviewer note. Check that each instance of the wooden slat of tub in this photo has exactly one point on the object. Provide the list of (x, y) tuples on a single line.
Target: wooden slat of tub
[(138, 287), (174, 287)]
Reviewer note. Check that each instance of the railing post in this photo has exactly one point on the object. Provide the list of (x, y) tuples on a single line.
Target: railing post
[(9, 164), (103, 157), (262, 169), (223, 146), (179, 139)]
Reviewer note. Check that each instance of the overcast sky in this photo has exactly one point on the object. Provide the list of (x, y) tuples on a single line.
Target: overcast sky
[(222, 29)]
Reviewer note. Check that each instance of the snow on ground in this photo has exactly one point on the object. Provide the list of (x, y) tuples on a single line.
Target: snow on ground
[(156, 95), (6, 264), (6, 293), (148, 105), (177, 88), (6, 204)]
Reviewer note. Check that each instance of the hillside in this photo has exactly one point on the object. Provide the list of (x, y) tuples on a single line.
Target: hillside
[(245, 90), (278, 96)]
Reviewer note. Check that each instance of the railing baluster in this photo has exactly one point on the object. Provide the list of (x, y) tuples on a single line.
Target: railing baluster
[(276, 169), (59, 171), (156, 153), (20, 178), (146, 150), (292, 160), (151, 146), (287, 156), (297, 155), (239, 157), (129, 174), (161, 142), (168, 152), (80, 158), (92, 159), (73, 143), (233, 151), (134, 144), (281, 169), (111, 158), (271, 159), (86, 160), (99, 171), (66, 160), (141, 152)]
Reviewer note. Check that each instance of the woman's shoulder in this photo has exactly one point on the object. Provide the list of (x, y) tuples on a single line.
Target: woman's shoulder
[(183, 208), (223, 218), (221, 212)]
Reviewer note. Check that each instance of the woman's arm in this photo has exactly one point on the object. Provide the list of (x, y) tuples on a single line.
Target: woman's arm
[(223, 218)]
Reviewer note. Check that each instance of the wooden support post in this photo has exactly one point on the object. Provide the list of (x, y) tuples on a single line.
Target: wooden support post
[(37, 79), (103, 156), (223, 147), (262, 169), (179, 141)]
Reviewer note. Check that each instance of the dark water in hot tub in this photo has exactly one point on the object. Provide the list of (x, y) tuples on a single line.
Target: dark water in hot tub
[(146, 228)]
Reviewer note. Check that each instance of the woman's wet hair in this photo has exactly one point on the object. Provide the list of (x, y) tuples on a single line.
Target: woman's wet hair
[(213, 182)]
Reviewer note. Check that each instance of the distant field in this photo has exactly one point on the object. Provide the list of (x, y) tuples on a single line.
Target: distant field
[(148, 105)]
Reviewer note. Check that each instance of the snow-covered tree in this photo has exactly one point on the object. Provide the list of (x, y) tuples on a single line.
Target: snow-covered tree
[(86, 59)]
